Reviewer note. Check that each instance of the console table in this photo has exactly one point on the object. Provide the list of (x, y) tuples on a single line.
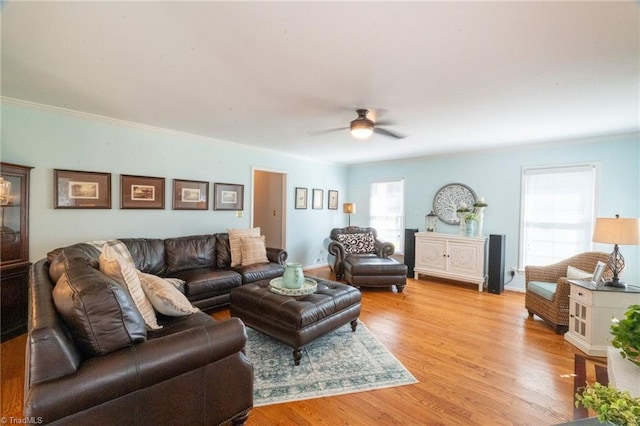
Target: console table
[(591, 308), (454, 257)]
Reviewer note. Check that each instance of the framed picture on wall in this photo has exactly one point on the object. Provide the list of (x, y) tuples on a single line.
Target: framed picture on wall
[(141, 192), (332, 201), (228, 196), (81, 190), (301, 198), (190, 195), (318, 195)]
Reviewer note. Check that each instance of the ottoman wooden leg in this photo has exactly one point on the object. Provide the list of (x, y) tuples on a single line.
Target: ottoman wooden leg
[(354, 324), (297, 356)]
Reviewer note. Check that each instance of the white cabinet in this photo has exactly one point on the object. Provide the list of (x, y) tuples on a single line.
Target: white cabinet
[(451, 256), (591, 309)]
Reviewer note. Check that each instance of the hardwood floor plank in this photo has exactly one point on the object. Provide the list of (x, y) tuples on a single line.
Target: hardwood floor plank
[(478, 358)]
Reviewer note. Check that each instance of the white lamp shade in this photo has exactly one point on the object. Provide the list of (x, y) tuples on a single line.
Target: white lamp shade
[(621, 231)]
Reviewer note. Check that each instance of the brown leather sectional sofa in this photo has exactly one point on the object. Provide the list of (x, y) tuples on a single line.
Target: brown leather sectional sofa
[(192, 371)]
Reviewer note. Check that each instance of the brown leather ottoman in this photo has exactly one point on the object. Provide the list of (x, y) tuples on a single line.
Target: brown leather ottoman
[(296, 321), (373, 271)]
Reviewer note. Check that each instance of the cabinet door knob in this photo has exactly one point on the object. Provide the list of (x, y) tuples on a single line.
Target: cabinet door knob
[(579, 294)]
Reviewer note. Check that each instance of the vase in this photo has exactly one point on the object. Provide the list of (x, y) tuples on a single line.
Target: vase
[(461, 216), (293, 276), (480, 214), (470, 229)]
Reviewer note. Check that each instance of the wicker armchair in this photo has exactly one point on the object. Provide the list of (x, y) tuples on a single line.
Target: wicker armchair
[(556, 311)]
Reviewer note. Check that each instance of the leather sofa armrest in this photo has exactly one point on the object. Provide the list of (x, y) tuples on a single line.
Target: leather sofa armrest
[(105, 378), (277, 255), (384, 249), (336, 249)]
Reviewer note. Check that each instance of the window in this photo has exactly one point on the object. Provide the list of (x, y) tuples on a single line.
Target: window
[(558, 205), (387, 211)]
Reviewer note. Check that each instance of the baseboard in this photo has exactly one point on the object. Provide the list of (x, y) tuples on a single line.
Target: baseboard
[(312, 267)]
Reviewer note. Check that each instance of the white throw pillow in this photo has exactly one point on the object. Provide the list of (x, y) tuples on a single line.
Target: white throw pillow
[(578, 274), (254, 250), (115, 266), (235, 243), (164, 297)]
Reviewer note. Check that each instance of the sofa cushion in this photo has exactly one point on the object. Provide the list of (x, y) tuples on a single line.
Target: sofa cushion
[(57, 264), (208, 282), (259, 271), (235, 243), (147, 254), (113, 265), (544, 289), (165, 297), (253, 250), (361, 242), (99, 313), (196, 251)]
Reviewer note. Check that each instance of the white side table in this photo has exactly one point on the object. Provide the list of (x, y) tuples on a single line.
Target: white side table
[(591, 309)]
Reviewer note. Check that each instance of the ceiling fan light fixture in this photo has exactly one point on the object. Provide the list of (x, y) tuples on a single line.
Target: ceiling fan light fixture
[(361, 127)]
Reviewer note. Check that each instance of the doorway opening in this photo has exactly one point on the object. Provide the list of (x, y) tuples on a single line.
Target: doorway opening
[(269, 207)]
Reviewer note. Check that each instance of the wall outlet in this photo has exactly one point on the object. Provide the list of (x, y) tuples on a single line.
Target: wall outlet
[(514, 271)]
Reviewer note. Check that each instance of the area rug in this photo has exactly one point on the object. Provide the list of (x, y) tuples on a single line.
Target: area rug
[(340, 362), (587, 370)]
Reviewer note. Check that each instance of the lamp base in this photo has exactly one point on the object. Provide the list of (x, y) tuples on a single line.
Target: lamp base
[(616, 284)]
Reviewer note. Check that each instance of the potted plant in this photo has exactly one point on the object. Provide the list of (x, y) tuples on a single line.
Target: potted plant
[(626, 335), (470, 221), (614, 403)]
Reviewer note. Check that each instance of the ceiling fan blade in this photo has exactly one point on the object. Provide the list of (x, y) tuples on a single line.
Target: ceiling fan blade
[(322, 132), (386, 132)]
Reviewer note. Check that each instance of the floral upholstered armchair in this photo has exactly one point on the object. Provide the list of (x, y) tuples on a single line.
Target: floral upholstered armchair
[(355, 241), (547, 287)]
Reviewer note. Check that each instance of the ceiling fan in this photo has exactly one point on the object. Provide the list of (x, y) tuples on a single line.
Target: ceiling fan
[(362, 127)]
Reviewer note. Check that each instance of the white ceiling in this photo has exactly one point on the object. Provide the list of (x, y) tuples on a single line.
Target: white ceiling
[(452, 76)]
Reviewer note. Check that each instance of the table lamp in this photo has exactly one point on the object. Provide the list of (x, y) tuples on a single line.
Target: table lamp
[(349, 208), (616, 231)]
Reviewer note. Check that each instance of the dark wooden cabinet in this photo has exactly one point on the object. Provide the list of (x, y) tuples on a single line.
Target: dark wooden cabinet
[(14, 248)]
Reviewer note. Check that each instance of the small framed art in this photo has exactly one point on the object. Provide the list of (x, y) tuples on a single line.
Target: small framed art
[(318, 195), (81, 190), (141, 192), (190, 195), (301, 198), (332, 201), (597, 274), (228, 196)]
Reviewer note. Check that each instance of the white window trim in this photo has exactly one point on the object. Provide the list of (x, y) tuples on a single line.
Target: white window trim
[(398, 250), (596, 165)]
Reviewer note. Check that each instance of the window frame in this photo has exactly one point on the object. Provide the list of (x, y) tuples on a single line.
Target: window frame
[(399, 248), (555, 169)]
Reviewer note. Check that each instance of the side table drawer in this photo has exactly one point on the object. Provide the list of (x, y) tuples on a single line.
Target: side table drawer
[(580, 295)]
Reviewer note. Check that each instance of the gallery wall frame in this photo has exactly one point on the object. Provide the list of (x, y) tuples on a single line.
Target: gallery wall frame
[(332, 200), (301, 198), (141, 192), (74, 189), (190, 195), (318, 199), (228, 196)]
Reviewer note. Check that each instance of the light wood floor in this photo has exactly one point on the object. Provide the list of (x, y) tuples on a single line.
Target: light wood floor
[(478, 357)]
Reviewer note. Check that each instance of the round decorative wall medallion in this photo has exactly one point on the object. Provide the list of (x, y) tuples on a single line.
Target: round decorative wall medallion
[(449, 198)]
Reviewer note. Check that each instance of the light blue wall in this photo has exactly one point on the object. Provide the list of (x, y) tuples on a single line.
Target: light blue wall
[(52, 139), (496, 176)]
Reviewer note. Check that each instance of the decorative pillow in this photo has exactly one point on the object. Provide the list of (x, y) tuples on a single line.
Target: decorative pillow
[(113, 265), (235, 243), (578, 274), (254, 250), (361, 242), (164, 297), (99, 312), (176, 282)]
